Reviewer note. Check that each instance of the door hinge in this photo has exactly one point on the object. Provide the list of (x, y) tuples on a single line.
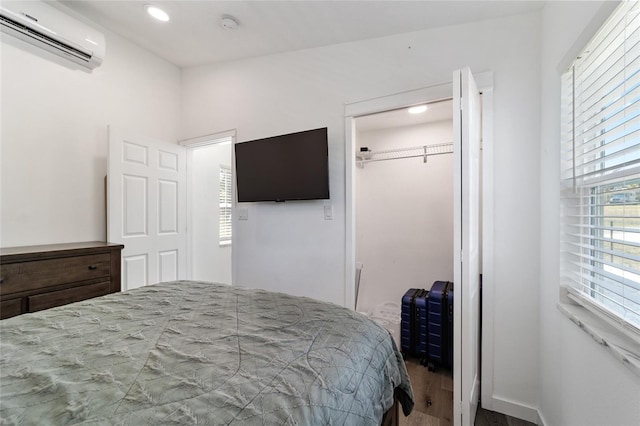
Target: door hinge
[(461, 259), (461, 99)]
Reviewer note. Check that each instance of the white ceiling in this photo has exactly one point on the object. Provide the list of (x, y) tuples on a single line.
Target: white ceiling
[(194, 35), (436, 111)]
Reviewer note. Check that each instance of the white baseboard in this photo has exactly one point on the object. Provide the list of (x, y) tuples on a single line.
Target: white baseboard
[(516, 409)]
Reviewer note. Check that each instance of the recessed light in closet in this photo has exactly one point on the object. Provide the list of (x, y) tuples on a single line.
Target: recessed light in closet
[(157, 13), (418, 109)]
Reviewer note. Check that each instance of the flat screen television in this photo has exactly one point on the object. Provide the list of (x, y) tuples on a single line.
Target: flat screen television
[(282, 168)]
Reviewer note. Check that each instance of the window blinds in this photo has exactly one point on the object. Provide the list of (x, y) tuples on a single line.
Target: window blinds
[(226, 200), (600, 157)]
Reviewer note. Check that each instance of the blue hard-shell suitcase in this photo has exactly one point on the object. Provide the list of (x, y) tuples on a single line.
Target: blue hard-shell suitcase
[(440, 330), (421, 344), (406, 314), (413, 328)]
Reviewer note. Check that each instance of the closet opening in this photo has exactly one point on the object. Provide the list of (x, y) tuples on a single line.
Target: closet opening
[(471, 183), (403, 204)]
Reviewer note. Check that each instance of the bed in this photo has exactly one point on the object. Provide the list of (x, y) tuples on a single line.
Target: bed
[(189, 352)]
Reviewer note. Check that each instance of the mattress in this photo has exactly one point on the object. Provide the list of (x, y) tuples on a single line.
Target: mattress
[(189, 352)]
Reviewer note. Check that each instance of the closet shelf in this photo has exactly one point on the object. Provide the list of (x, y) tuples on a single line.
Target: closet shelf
[(423, 151)]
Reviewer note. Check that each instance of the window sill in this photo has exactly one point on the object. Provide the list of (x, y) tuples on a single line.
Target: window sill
[(622, 347)]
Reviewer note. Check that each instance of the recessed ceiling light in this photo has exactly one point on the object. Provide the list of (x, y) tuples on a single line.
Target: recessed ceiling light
[(157, 13), (418, 109)]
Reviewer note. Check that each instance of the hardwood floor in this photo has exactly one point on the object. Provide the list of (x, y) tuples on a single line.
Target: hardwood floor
[(433, 395)]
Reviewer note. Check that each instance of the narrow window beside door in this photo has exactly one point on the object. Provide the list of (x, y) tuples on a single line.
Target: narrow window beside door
[(224, 195)]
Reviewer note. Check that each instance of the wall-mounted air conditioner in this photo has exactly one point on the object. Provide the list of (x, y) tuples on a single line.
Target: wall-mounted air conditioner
[(46, 27)]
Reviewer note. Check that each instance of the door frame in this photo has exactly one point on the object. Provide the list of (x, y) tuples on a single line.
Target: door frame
[(191, 144), (430, 94)]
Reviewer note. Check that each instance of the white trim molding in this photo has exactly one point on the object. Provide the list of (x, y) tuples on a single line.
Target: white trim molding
[(207, 139), (516, 409), (488, 270)]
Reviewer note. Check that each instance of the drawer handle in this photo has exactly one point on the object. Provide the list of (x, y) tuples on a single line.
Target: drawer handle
[(93, 267), (1, 280)]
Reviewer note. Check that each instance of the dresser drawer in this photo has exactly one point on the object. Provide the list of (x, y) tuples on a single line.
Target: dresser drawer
[(34, 278), (52, 299), (34, 275), (10, 308)]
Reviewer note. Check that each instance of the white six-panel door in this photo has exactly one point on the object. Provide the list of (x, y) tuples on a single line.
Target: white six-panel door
[(466, 346), (147, 208)]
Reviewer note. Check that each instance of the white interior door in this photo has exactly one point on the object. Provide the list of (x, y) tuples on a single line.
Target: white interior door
[(466, 139), (146, 201)]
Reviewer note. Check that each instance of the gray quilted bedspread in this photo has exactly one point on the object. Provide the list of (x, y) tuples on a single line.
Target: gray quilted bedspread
[(198, 353)]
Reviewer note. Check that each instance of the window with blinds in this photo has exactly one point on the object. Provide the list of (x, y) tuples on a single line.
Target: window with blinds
[(601, 171), (226, 200)]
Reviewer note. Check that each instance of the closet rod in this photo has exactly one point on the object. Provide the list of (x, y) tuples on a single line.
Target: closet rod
[(423, 151)]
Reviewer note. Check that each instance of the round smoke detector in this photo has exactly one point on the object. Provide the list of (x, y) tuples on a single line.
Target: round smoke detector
[(229, 22)]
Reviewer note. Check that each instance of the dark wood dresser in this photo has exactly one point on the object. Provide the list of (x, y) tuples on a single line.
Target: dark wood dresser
[(34, 278)]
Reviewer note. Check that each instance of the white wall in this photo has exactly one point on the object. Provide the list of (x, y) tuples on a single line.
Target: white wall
[(54, 135), (289, 247), (580, 383), (209, 260), (404, 215)]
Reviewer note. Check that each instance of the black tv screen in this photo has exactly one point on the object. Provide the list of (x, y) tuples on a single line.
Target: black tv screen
[(280, 168)]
